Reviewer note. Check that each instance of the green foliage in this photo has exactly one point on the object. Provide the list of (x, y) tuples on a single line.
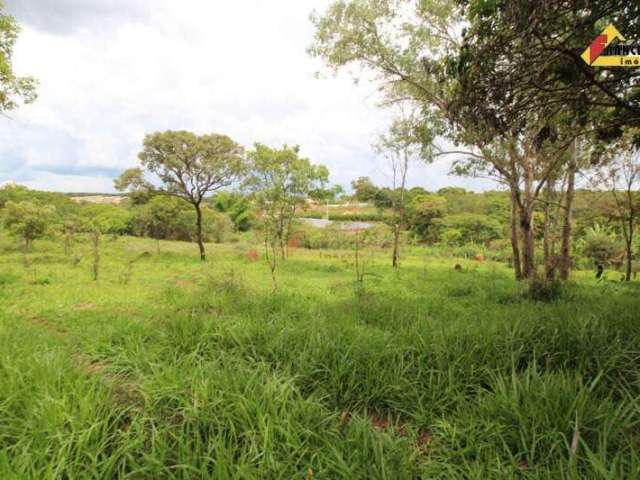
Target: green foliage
[(237, 207), (281, 182), (132, 180), (423, 210), (13, 88), (18, 193), (165, 217), (29, 221), (108, 219), (188, 165), (468, 228), (601, 245), (349, 216), (327, 194), (170, 218), (363, 189), (218, 227)]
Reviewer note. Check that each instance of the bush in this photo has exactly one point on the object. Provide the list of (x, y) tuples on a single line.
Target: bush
[(541, 290), (171, 218), (499, 250), (110, 219), (237, 207), (379, 236), (217, 226), (337, 216), (601, 245), (466, 228)]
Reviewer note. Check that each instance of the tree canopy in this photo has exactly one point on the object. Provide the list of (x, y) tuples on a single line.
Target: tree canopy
[(189, 166), (13, 88)]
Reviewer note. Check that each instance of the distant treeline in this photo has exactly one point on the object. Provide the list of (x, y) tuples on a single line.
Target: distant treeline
[(450, 217)]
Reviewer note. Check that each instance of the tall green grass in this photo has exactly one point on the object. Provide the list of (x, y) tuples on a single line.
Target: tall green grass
[(204, 373)]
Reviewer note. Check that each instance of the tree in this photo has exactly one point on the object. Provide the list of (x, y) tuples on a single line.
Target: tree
[(546, 69), (622, 177), (463, 228), (138, 189), (29, 220), (364, 189), (423, 210), (13, 89), (527, 84), (416, 50), (326, 195), (109, 219), (238, 208), (281, 182), (464, 64), (189, 167), (400, 144)]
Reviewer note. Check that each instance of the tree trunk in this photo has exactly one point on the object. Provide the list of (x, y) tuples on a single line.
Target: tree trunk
[(96, 254), (549, 240), (25, 251), (565, 252), (199, 231), (396, 241), (628, 238), (515, 247), (629, 261), (526, 222), (528, 243)]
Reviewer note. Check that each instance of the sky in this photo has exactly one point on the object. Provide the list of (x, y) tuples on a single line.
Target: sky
[(111, 71)]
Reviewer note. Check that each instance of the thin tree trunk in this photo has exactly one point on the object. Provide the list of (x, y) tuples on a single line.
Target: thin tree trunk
[(25, 252), (515, 246), (271, 259), (565, 251), (398, 205), (199, 231), (96, 254), (528, 243), (396, 227), (629, 261), (396, 241), (526, 222), (549, 240), (628, 237)]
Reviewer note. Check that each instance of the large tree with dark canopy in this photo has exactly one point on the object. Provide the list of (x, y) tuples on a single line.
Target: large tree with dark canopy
[(503, 78)]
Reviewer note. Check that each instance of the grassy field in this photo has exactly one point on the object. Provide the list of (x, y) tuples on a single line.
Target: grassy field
[(173, 368)]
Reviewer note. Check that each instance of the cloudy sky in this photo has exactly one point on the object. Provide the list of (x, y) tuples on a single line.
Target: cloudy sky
[(112, 70)]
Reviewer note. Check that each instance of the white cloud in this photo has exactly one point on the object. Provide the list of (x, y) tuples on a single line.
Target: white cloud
[(111, 71)]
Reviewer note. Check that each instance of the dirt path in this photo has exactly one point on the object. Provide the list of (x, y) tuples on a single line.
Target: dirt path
[(124, 391)]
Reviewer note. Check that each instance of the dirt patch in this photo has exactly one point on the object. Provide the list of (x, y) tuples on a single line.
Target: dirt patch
[(55, 329), (89, 366), (124, 392), (182, 283), (86, 306), (424, 439), (399, 426)]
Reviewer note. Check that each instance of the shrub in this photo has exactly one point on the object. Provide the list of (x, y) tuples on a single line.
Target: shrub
[(601, 245), (237, 207), (28, 220), (466, 228), (217, 226), (110, 219)]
